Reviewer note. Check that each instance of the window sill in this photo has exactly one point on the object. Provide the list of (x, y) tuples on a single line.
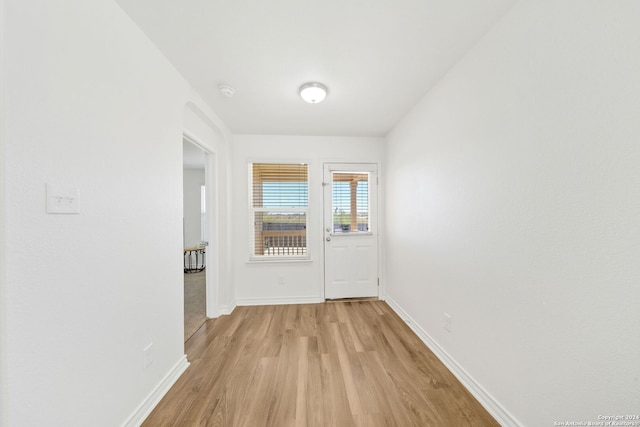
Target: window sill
[(278, 259)]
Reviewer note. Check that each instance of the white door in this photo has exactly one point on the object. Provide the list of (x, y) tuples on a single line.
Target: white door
[(350, 230)]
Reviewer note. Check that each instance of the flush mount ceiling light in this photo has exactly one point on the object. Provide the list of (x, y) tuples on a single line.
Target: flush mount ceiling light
[(313, 92)]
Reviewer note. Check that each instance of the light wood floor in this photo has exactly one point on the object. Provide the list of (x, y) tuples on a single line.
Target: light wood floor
[(332, 364), (195, 311)]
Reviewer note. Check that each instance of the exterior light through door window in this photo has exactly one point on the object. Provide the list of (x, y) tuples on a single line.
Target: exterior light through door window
[(350, 202)]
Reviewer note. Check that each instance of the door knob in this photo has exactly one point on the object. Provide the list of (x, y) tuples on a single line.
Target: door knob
[(328, 239)]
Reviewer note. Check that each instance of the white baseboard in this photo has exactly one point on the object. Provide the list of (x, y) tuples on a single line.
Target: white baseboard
[(490, 404), (278, 301), (145, 408), (226, 310)]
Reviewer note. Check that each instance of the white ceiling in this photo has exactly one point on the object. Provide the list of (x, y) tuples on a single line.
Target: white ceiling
[(377, 57)]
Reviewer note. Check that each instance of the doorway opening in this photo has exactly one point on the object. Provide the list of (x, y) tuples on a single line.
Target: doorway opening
[(195, 240)]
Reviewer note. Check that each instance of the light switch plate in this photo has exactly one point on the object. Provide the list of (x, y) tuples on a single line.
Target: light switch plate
[(62, 200)]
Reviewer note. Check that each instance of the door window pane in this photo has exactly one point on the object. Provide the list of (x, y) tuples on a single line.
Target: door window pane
[(350, 204)]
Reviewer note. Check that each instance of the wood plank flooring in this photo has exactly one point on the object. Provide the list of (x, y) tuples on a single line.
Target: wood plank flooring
[(334, 364)]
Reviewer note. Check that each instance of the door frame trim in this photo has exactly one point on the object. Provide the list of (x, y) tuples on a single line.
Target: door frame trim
[(212, 279)]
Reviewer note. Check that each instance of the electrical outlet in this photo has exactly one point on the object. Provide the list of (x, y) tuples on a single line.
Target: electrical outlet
[(62, 200), (447, 322), (148, 355)]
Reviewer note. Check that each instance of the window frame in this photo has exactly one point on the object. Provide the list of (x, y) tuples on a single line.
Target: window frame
[(252, 210)]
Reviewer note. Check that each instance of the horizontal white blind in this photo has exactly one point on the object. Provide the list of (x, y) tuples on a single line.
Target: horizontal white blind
[(279, 203), (350, 202), (280, 186)]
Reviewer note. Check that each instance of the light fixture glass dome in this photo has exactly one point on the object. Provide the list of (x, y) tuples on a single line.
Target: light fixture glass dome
[(313, 92)]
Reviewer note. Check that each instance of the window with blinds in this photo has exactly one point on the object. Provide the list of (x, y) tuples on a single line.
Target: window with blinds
[(279, 209), (350, 202)]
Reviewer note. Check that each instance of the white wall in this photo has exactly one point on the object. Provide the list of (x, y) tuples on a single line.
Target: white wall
[(193, 180), (519, 178), (258, 282), (90, 104), (4, 395)]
